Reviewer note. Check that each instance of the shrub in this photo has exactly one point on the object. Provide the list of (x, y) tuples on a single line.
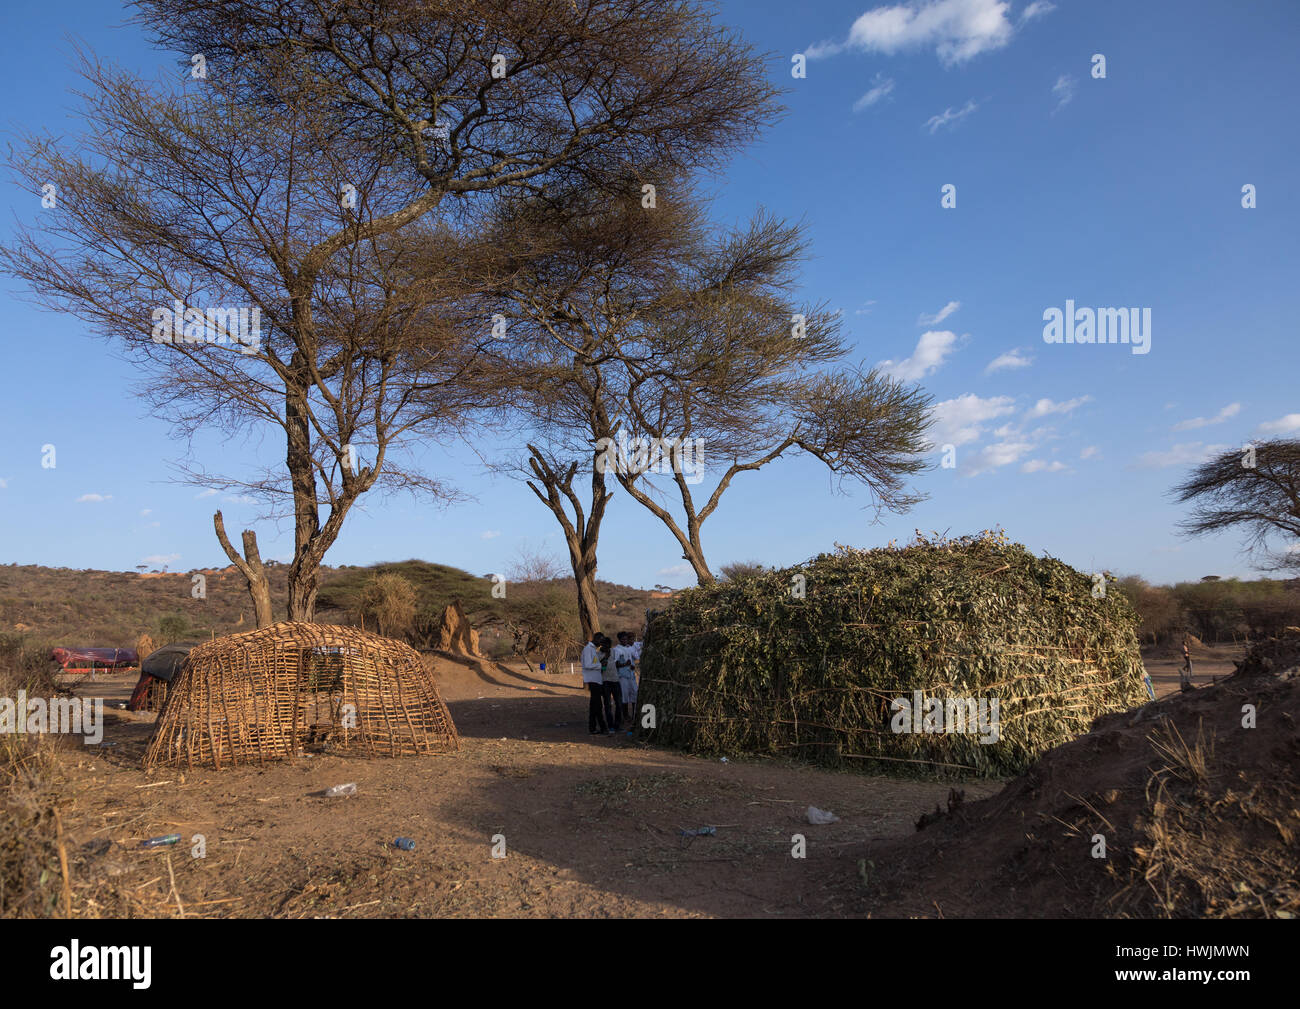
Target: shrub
[(388, 602), (172, 628)]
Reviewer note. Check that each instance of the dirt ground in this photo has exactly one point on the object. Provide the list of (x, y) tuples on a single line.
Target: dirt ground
[(592, 825), (1210, 663), (1195, 798)]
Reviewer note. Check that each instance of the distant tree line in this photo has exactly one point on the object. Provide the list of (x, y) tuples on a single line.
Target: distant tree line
[(1218, 610)]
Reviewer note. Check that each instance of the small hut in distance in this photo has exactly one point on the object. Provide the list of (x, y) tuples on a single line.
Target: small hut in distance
[(269, 694)]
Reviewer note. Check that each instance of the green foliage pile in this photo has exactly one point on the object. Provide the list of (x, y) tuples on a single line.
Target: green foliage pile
[(746, 666)]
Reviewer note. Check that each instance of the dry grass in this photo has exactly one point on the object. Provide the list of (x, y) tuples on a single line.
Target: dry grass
[(1204, 845), (32, 872)]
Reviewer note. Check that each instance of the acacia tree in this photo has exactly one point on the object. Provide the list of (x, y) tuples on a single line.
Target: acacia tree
[(714, 365), (560, 264), (189, 228), (230, 191), (1256, 490)]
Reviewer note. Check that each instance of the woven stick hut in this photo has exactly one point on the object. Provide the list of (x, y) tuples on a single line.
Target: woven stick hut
[(270, 693), (882, 659)]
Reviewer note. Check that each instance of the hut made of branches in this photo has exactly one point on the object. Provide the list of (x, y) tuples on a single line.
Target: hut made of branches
[(271, 693), (813, 662)]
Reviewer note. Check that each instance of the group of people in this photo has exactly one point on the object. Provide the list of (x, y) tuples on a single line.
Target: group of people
[(610, 672)]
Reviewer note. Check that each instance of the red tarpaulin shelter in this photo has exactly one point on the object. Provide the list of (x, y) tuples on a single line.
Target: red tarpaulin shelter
[(78, 660)]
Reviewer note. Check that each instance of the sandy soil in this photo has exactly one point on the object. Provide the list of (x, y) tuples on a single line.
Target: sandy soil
[(1210, 663), (592, 825), (1198, 810)]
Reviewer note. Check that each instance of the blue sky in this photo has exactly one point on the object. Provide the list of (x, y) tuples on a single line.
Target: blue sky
[(1117, 192)]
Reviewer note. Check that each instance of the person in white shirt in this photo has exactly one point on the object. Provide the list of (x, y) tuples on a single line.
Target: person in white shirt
[(594, 682), (612, 690), (625, 657)]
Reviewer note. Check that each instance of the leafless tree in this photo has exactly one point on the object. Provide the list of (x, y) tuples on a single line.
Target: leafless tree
[(534, 566), (251, 567)]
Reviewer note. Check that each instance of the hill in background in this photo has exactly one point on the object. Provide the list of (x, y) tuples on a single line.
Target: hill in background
[(113, 608)]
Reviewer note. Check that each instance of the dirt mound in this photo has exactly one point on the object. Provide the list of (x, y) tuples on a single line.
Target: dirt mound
[(1196, 799), (1275, 657), (455, 634)]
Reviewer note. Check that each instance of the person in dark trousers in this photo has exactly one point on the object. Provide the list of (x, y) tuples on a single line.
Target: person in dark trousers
[(612, 690), (591, 677)]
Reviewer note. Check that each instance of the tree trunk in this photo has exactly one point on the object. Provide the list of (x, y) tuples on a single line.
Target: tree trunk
[(304, 577), (702, 573), (250, 566), (306, 518), (588, 603), (581, 535)]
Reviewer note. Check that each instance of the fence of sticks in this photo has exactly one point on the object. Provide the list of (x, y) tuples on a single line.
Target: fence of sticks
[(271, 693), (879, 659)]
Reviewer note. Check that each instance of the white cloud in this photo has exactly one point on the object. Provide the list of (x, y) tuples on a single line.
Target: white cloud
[(157, 559), (490, 534), (1040, 466), (957, 29), (206, 493), (240, 499), (1036, 9), (1046, 406), (1090, 452), (1011, 359), (866, 308), (931, 349), (991, 457), (1063, 90), (145, 511), (677, 570), (939, 316), (94, 498), (1191, 453), (948, 116), (1231, 410), (3, 483), (959, 421), (155, 525), (1283, 425), (882, 88)]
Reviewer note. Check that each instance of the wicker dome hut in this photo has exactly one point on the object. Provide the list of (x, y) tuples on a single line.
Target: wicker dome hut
[(271, 693)]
